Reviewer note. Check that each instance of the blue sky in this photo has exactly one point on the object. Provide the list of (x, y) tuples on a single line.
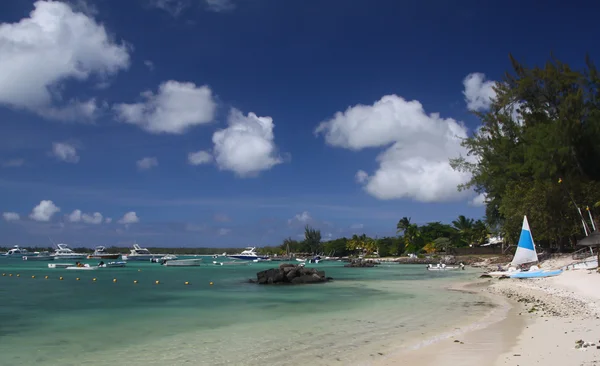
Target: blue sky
[(233, 123)]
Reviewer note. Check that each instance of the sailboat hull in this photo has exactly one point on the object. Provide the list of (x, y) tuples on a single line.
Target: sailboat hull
[(536, 274)]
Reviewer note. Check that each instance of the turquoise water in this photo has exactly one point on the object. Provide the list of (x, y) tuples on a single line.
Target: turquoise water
[(365, 313)]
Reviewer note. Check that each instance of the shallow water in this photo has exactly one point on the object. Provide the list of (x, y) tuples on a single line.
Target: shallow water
[(365, 313)]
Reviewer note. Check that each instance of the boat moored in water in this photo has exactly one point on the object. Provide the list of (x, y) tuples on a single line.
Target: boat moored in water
[(182, 263), (64, 252), (100, 253), (42, 256), (249, 255), (18, 252), (139, 254), (443, 267)]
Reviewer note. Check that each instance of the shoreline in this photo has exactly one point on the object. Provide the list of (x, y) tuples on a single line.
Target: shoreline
[(533, 321)]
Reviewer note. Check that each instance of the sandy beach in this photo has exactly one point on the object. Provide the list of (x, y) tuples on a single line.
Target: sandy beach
[(548, 321)]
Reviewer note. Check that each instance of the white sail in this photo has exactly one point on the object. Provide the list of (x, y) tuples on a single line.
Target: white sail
[(526, 248)]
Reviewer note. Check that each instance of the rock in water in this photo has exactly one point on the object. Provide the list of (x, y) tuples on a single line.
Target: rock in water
[(288, 273), (360, 263)]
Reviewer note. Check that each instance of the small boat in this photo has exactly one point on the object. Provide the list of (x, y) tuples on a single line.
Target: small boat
[(231, 263), (168, 257), (17, 252), (60, 265), (112, 264), (182, 263), (100, 253), (85, 267), (64, 252), (249, 255), (443, 267), (139, 254), (42, 256)]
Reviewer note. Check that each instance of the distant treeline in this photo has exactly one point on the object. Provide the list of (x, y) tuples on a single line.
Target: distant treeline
[(126, 250)]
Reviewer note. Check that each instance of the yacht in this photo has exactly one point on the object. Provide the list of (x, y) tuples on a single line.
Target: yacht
[(249, 255), (64, 252), (100, 253), (41, 256), (139, 254), (17, 252)]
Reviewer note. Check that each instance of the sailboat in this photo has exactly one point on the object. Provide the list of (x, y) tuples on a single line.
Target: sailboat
[(524, 254)]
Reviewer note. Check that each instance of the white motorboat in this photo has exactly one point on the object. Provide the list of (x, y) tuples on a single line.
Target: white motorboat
[(249, 255), (443, 267), (42, 256), (168, 257), (17, 252), (83, 267), (100, 253), (139, 254), (182, 263), (60, 265), (64, 252), (231, 263), (112, 264)]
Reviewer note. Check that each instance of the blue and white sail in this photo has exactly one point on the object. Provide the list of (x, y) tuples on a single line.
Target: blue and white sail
[(526, 248)]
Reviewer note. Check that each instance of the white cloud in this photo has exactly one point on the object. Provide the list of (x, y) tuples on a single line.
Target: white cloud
[(44, 211), (199, 157), (221, 218), (147, 163), (54, 44), (479, 201), (11, 216), (149, 64), (478, 92), (357, 226), (95, 218), (175, 108), (65, 152), (129, 218), (173, 7), (108, 220), (361, 176), (13, 163), (220, 5), (302, 217), (416, 162), (74, 216), (223, 231), (247, 146)]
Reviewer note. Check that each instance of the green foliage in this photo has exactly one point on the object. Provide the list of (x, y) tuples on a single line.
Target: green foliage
[(312, 239), (544, 124)]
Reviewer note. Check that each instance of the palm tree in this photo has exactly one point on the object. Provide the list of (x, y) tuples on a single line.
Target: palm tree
[(465, 228), (412, 236), (403, 224), (480, 232)]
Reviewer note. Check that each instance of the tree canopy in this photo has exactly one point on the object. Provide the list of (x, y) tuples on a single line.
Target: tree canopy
[(537, 151)]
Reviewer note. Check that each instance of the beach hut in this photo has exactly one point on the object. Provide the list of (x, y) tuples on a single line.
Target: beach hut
[(593, 240)]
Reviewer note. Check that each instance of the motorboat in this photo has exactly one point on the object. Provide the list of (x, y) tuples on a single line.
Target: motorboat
[(100, 253), (60, 265), (17, 252), (42, 256), (231, 263), (139, 254), (82, 267), (64, 252), (182, 263), (112, 264), (249, 255), (443, 267), (168, 257)]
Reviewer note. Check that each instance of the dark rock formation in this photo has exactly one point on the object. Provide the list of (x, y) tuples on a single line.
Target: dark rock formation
[(361, 263), (288, 273)]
